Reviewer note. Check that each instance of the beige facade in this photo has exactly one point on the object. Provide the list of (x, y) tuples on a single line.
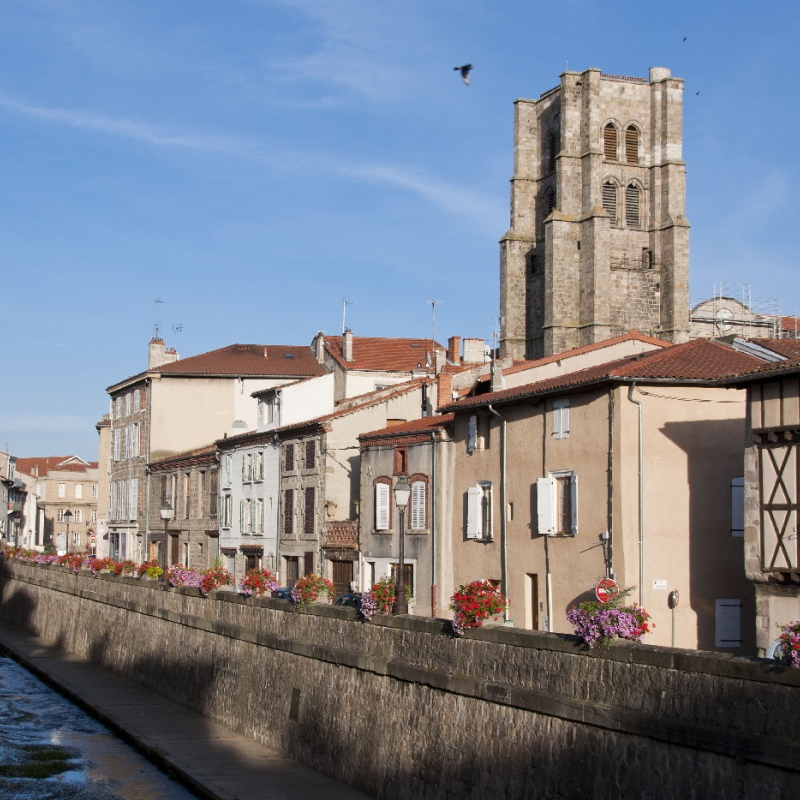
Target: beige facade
[(598, 243), (66, 484), (691, 458)]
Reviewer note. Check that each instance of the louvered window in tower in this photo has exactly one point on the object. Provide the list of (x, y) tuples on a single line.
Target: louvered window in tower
[(631, 145), (549, 201), (610, 142), (610, 201), (550, 154), (632, 206)]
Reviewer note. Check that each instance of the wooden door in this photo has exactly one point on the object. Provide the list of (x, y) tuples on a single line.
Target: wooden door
[(533, 583), (342, 576), (174, 551), (292, 570)]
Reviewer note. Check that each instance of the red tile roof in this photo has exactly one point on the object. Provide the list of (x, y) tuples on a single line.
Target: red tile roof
[(700, 361), (764, 372), (249, 359), (54, 464), (415, 426), (383, 354), (790, 348)]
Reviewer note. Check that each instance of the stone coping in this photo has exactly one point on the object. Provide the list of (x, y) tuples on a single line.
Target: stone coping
[(700, 661)]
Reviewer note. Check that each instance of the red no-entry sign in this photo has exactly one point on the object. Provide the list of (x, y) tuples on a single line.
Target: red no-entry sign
[(606, 590)]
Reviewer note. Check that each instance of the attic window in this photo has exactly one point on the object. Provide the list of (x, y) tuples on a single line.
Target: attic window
[(288, 355), (415, 344)]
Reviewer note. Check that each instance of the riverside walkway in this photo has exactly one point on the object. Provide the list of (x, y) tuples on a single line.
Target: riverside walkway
[(212, 760)]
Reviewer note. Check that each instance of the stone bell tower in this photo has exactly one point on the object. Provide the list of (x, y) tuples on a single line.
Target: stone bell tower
[(599, 242)]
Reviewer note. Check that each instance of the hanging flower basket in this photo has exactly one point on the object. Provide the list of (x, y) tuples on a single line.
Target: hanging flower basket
[(381, 598), (598, 623), (312, 588), (258, 583), (790, 642), (474, 603)]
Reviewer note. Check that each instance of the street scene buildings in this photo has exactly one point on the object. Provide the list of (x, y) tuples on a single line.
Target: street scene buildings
[(614, 433)]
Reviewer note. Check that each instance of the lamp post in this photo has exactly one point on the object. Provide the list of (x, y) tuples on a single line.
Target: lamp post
[(401, 493), (167, 513), (68, 519)]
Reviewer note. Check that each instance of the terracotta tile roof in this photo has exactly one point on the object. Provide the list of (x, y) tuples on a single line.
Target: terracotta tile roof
[(249, 359), (164, 463), (383, 354), (341, 535), (790, 348), (54, 464), (764, 372), (415, 426), (698, 361)]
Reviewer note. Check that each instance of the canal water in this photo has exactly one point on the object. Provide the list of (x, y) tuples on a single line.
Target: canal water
[(51, 750)]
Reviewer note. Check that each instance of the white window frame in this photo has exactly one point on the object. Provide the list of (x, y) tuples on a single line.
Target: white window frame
[(136, 400), (77, 516), (228, 471), (128, 404), (94, 491), (561, 418), (417, 515), (78, 491), (547, 503), (62, 490)]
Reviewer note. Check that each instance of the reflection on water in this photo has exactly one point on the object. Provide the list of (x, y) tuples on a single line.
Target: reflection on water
[(51, 750)]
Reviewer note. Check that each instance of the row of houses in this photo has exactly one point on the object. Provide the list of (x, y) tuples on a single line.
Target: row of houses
[(622, 459)]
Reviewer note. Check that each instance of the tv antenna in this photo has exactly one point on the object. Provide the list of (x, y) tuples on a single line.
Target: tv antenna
[(176, 329), (432, 304), (157, 301), (345, 303)]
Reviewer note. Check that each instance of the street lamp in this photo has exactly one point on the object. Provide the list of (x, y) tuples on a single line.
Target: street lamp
[(68, 519), (167, 513), (401, 494)]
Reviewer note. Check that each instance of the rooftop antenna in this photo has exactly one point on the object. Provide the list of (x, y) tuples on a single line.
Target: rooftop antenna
[(345, 303), (157, 301), (432, 304), (176, 329)]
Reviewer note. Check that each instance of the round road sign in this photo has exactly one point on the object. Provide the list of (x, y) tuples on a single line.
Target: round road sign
[(606, 590)]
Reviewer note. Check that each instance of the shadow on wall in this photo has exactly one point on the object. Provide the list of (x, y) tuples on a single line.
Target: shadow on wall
[(715, 454)]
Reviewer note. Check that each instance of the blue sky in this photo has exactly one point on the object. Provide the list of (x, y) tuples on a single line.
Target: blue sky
[(252, 162)]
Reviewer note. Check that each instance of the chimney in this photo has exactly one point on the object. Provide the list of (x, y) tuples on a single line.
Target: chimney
[(498, 379), (157, 354), (445, 389), (474, 351), (170, 355), (35, 470), (319, 347), (439, 360), (347, 345), (454, 350)]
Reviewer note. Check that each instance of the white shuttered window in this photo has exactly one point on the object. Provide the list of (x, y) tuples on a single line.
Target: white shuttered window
[(557, 504), (561, 419), (381, 506), (418, 506)]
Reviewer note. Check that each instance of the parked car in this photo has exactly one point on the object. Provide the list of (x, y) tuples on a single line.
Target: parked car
[(284, 593), (349, 600)]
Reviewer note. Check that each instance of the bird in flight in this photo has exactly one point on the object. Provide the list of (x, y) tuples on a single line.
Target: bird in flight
[(465, 70)]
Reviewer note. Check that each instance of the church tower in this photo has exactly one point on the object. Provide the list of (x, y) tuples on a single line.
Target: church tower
[(599, 242)]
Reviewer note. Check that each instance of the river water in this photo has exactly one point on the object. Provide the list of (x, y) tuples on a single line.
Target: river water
[(51, 750)]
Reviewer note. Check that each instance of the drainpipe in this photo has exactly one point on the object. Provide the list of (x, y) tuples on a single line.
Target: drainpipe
[(433, 524), (503, 504), (641, 498)]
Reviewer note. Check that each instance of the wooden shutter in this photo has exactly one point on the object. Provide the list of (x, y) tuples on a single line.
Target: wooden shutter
[(632, 145), (418, 506), (472, 443), (308, 519), (546, 505), (381, 507), (728, 623), (632, 206), (610, 201), (288, 512), (311, 453), (561, 419), (474, 495), (610, 142), (134, 510), (737, 507), (574, 499), (241, 516), (253, 516), (288, 463)]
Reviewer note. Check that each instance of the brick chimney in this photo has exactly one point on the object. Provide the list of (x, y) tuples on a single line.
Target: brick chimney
[(445, 389), (454, 350), (347, 345)]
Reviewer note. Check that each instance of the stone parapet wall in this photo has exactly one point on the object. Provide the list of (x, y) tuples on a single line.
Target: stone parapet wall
[(398, 708)]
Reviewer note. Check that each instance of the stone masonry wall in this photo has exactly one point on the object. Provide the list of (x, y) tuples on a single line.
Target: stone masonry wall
[(397, 708)]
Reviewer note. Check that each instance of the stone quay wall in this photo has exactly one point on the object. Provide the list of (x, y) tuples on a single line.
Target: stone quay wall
[(399, 709)]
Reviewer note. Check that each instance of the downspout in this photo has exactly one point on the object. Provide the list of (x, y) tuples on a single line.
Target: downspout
[(641, 497), (503, 504), (433, 524)]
